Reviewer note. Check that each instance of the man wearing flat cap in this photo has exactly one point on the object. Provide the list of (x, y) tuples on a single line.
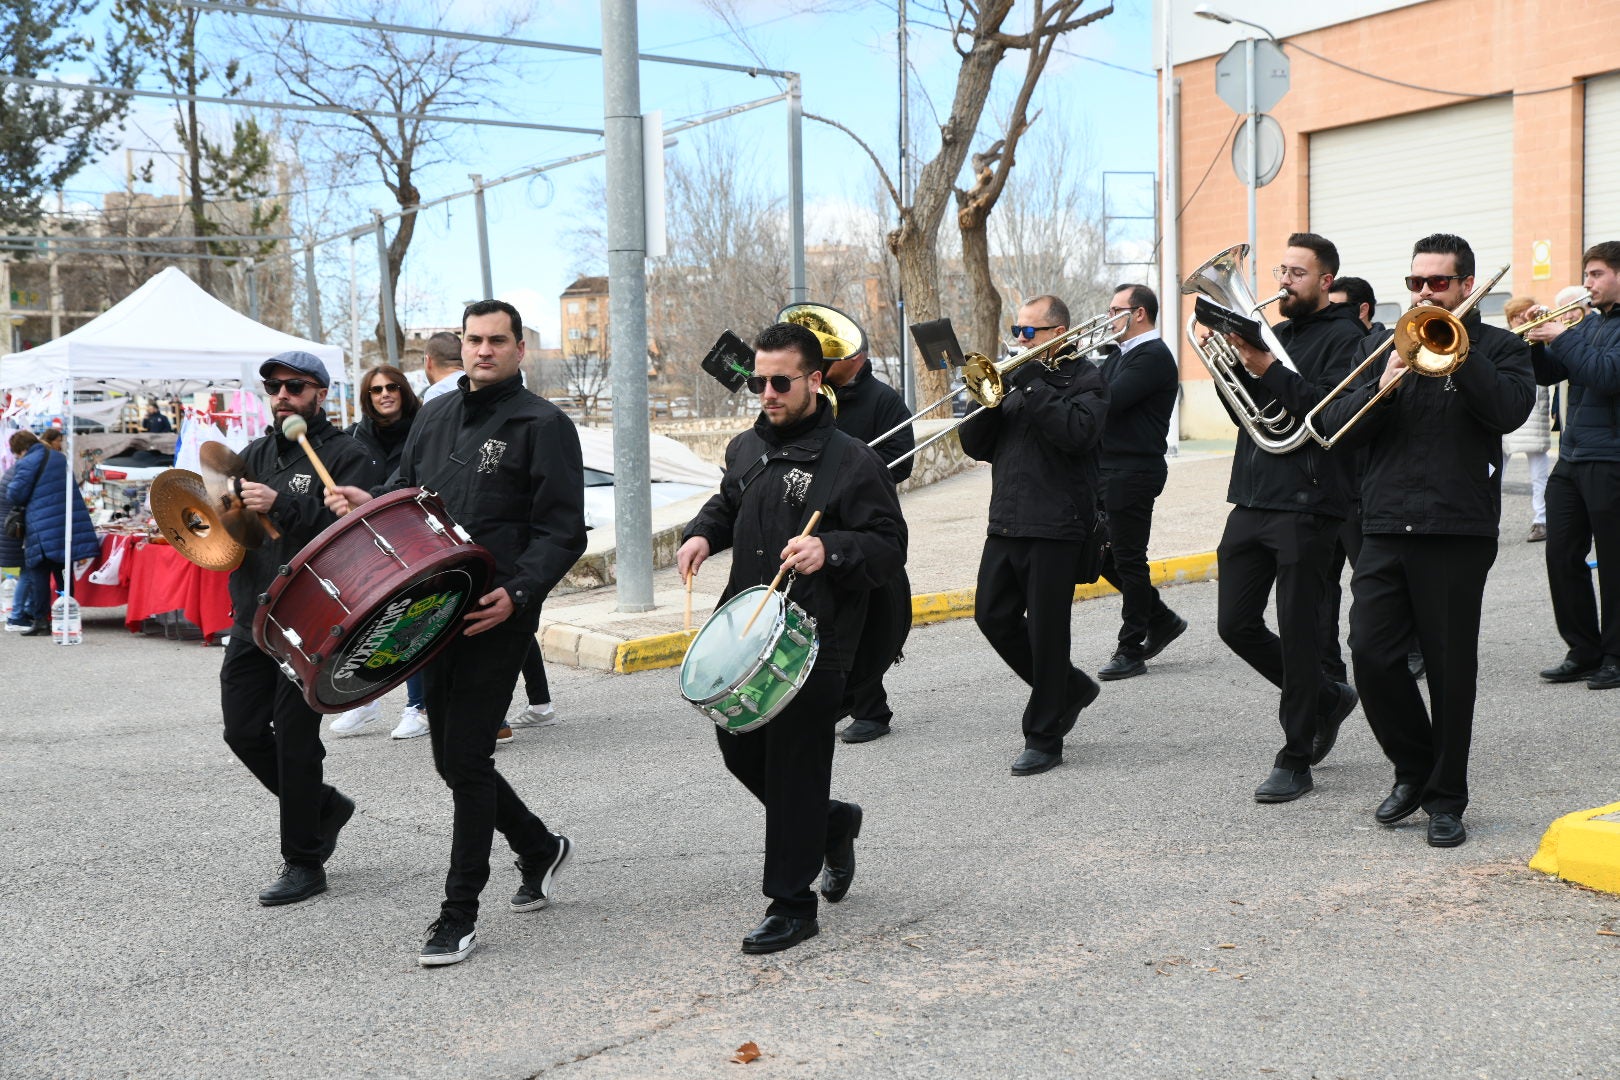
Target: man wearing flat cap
[(267, 723)]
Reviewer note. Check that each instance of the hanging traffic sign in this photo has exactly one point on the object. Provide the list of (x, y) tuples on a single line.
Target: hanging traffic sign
[(1270, 75)]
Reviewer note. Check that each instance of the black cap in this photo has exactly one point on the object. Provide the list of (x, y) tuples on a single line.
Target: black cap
[(302, 362)]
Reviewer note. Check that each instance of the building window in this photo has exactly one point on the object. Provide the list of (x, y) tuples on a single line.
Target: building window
[(591, 333), (573, 307), (573, 333), (590, 305)]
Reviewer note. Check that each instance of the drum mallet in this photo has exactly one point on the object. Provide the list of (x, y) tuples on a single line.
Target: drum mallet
[(296, 429), (777, 580)]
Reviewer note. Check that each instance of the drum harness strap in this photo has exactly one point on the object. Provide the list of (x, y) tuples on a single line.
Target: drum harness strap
[(467, 447), (832, 459)]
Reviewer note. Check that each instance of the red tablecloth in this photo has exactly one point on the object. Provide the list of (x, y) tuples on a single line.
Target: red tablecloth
[(153, 579)]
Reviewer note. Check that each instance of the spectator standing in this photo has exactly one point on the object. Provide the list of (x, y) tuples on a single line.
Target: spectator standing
[(40, 484), (1534, 438), (11, 547)]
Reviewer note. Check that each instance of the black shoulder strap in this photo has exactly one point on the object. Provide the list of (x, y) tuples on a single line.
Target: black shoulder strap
[(469, 445), (832, 459)]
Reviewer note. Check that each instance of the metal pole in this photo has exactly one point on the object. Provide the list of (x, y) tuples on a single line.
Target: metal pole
[(385, 292), (72, 493), (312, 294), (1254, 167), (1169, 225), (483, 235), (908, 389), (252, 290), (627, 287), (354, 315), (796, 187)]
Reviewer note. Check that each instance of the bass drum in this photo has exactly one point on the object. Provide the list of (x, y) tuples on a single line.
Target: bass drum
[(740, 681), (373, 598)]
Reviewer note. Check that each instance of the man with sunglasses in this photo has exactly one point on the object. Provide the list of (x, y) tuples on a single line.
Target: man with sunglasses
[(1431, 506), (773, 473), (1142, 385), (1041, 443), (267, 723), (507, 464), (1285, 517)]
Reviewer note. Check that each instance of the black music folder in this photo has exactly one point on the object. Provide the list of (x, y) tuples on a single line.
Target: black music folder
[(1223, 320), (938, 345), (731, 361)]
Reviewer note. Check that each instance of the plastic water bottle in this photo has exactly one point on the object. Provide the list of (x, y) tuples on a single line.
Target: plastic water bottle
[(66, 626), (8, 595)]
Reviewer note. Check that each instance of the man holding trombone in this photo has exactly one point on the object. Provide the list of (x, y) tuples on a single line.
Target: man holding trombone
[(1431, 504)]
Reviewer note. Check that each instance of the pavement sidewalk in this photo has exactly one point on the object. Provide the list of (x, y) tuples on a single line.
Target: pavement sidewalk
[(947, 521)]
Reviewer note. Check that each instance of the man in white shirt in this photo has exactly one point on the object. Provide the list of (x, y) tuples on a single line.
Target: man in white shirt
[(442, 364)]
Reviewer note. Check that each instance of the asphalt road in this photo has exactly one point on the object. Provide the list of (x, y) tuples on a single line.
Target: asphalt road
[(1132, 913)]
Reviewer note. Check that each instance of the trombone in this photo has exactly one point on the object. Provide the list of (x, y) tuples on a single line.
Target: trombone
[(1431, 340), (986, 381), (1559, 312)]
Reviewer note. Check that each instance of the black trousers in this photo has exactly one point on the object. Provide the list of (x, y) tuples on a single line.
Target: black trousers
[(468, 689), (1583, 509), (1023, 605), (1346, 548), (1128, 497), (787, 766), (277, 736), (1432, 585), (535, 685), (883, 635), (1258, 549)]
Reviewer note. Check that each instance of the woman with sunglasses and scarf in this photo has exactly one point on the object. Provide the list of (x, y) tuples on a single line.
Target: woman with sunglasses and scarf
[(388, 406)]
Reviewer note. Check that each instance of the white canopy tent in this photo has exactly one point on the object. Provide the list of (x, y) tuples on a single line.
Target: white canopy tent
[(167, 338)]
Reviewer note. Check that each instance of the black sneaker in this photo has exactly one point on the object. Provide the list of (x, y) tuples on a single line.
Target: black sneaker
[(535, 892), (451, 939)]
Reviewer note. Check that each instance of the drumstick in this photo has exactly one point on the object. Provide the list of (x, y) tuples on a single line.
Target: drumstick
[(295, 428), (777, 580), (687, 623)]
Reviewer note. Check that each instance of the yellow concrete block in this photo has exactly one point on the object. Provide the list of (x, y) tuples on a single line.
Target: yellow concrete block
[(652, 653), (1583, 847)]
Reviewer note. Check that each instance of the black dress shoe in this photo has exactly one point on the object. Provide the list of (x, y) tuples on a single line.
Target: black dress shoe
[(334, 815), (1446, 830), (840, 872), (1157, 639), (1403, 800), (1327, 727), (1415, 664), (1284, 785), (863, 731), (1606, 677), (1569, 671), (1031, 762), (298, 881), (1122, 666), (778, 932)]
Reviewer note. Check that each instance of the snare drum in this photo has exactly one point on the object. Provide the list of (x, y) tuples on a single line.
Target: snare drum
[(741, 681), (371, 600)]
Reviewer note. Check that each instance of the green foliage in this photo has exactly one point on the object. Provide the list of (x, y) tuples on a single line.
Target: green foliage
[(46, 136)]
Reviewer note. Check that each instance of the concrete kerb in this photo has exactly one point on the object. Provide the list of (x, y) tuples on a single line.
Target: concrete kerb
[(596, 649)]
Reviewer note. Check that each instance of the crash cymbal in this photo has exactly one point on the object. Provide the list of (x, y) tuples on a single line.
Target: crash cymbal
[(188, 520), (221, 469)]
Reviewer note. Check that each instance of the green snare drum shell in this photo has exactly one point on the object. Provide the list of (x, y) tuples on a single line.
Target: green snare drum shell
[(741, 681)]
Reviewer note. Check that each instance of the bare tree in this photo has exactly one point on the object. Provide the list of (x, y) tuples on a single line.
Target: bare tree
[(586, 372), (368, 68), (981, 42)]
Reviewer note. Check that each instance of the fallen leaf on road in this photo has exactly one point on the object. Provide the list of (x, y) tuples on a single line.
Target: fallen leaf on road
[(1609, 933), (1226, 945), (747, 1052)]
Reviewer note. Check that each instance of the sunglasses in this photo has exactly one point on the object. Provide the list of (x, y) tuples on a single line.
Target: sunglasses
[(1028, 332), (384, 388), (780, 383), (295, 387), (1436, 282)]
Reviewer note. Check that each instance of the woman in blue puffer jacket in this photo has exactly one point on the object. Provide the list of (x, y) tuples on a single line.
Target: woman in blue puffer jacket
[(40, 483), (11, 548)]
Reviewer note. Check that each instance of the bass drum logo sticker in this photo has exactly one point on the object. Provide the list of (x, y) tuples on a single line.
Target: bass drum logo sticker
[(388, 646)]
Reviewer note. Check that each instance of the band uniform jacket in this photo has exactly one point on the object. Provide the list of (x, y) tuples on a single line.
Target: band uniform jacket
[(761, 505), (867, 408), (1142, 387), (1042, 444), (299, 511), (1434, 444), (1588, 355), (1324, 346), (522, 492)]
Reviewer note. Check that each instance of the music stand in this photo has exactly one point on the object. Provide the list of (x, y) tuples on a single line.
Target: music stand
[(937, 342)]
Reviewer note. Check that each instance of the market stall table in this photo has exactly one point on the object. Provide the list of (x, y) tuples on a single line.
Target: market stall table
[(155, 579)]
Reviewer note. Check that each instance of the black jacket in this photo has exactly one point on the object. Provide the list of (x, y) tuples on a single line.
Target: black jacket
[(521, 493), (1434, 445), (299, 511), (1588, 355), (1324, 347), (760, 507), (1042, 445), (867, 408), (385, 443), (1142, 386)]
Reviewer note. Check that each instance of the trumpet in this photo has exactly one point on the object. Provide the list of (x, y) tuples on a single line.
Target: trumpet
[(1559, 312)]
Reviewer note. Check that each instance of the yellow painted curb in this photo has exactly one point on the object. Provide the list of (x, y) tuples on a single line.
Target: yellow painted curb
[(667, 650), (1583, 847)]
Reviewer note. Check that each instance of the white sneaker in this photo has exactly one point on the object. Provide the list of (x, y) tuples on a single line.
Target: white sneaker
[(351, 722), (541, 715), (412, 722)]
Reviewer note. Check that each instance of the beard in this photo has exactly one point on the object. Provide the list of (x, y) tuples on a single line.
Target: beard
[(306, 409), (1296, 307)]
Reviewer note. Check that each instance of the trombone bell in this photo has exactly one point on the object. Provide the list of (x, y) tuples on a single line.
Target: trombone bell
[(1431, 340)]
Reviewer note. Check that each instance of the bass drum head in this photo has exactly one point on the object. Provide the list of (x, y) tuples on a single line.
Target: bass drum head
[(722, 657), (400, 635)]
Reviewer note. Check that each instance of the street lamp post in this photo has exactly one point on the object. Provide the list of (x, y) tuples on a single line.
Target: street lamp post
[(1252, 121)]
